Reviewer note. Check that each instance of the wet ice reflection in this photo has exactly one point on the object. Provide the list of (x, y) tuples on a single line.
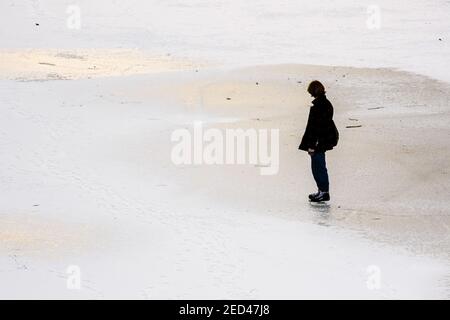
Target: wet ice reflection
[(321, 213)]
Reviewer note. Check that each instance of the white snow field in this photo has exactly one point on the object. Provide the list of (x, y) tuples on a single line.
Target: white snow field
[(405, 35), (92, 205)]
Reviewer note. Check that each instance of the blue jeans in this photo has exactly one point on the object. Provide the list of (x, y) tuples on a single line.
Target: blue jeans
[(319, 171)]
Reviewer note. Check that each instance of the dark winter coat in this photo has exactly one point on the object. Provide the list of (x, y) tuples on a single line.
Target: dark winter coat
[(321, 133)]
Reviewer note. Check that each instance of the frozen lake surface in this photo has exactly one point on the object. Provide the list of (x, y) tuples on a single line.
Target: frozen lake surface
[(410, 35), (89, 194)]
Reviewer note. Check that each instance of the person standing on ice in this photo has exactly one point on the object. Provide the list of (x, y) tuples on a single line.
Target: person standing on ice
[(320, 136)]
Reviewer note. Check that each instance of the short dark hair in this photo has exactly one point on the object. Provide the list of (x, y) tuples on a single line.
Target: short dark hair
[(316, 88)]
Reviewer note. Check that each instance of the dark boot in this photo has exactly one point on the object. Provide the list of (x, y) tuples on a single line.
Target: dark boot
[(322, 196), (313, 195)]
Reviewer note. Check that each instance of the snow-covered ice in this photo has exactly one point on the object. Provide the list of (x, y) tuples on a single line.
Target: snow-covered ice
[(88, 190)]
